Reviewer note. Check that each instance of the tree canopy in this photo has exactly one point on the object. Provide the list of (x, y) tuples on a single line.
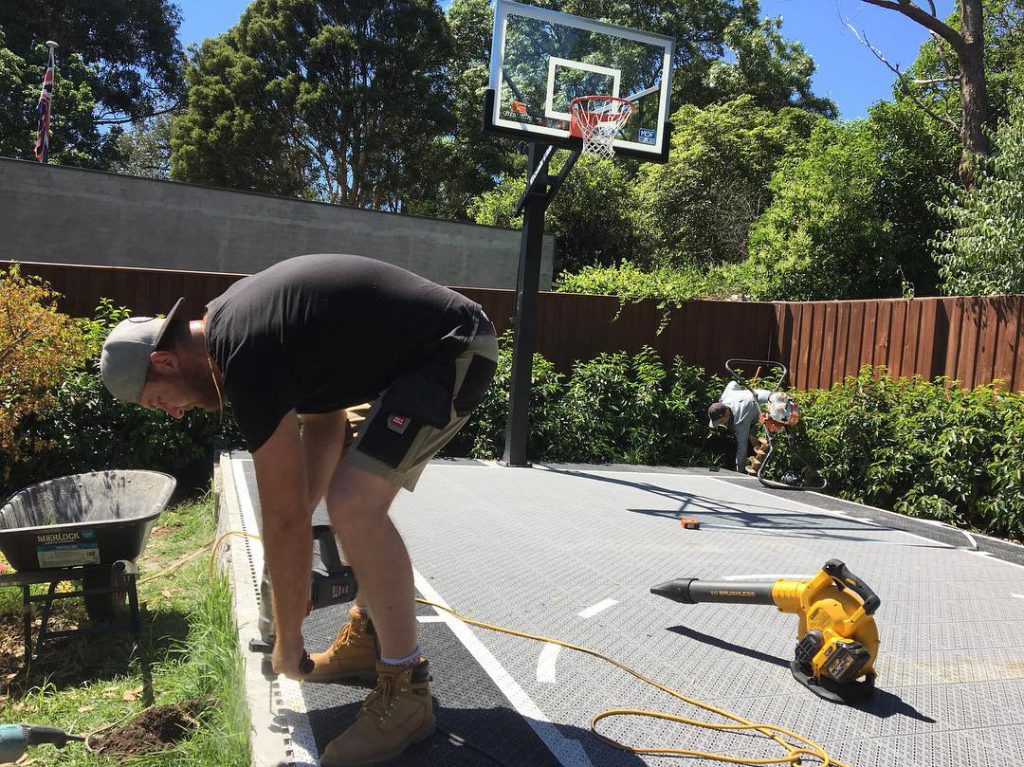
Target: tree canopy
[(116, 62), (980, 249), (342, 102)]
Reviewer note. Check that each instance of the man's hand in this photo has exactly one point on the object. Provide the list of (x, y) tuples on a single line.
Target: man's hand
[(288, 657)]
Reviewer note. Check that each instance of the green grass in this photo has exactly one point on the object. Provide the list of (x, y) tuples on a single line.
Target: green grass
[(190, 639)]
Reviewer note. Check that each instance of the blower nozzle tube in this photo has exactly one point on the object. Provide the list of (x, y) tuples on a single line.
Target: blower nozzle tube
[(691, 591)]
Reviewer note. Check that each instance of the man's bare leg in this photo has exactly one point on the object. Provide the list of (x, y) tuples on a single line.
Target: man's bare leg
[(358, 503)]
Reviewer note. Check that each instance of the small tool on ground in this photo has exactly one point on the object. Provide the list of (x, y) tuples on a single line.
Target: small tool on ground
[(15, 739), (837, 640)]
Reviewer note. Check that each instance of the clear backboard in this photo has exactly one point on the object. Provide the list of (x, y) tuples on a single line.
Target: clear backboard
[(541, 60)]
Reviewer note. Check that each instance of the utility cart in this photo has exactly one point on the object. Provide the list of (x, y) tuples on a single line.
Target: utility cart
[(85, 529)]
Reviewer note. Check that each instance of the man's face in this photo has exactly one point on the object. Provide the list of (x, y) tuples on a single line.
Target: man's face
[(725, 420), (175, 388)]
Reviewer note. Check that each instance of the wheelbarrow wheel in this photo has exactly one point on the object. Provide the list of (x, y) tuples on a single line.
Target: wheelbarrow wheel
[(105, 607)]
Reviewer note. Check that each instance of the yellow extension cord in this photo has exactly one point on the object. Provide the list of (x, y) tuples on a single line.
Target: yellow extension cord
[(807, 747)]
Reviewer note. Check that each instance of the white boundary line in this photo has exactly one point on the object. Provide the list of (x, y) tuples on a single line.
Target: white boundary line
[(291, 706), (567, 751), (601, 606), (546, 673)]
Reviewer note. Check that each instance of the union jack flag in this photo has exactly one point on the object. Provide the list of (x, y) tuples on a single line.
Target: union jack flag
[(43, 113)]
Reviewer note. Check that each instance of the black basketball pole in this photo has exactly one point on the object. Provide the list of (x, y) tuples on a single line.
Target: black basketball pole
[(540, 190)]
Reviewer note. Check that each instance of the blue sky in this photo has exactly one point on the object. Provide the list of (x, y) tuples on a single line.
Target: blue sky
[(847, 71)]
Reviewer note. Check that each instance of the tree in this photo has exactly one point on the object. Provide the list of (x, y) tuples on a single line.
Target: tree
[(968, 43), (471, 159), (774, 71), (934, 80), (240, 129), (145, 150), (131, 48), (697, 209), (918, 162), (825, 235), (590, 217), (345, 101), (980, 253)]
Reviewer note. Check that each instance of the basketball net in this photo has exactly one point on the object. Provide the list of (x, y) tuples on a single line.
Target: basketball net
[(598, 120)]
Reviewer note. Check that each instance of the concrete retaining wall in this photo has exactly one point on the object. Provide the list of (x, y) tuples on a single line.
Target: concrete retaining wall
[(64, 215)]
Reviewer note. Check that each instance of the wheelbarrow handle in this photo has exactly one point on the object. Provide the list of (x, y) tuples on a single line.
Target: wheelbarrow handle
[(732, 364)]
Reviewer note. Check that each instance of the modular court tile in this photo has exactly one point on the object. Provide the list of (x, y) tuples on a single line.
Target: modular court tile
[(571, 552)]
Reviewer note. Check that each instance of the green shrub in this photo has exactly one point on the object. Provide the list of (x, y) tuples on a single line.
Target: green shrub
[(668, 287), (36, 344), (923, 448), (615, 408)]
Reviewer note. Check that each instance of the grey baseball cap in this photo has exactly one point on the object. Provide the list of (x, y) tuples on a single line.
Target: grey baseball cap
[(124, 363)]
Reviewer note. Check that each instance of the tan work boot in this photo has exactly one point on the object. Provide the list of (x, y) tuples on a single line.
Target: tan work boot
[(352, 656), (395, 715)]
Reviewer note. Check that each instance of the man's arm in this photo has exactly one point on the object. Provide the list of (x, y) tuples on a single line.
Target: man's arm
[(287, 537)]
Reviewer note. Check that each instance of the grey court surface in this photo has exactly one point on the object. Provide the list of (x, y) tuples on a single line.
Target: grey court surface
[(571, 553)]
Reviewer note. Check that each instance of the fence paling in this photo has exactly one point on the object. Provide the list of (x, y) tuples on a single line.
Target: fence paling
[(972, 339)]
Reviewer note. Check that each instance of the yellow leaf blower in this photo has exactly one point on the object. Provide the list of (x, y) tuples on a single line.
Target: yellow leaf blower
[(837, 640)]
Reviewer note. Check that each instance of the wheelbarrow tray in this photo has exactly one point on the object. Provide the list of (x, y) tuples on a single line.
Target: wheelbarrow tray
[(83, 519)]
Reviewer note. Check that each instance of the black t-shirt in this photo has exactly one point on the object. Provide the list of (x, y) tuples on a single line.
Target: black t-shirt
[(322, 332)]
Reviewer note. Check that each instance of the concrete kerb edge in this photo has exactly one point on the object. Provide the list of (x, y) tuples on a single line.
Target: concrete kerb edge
[(269, 738)]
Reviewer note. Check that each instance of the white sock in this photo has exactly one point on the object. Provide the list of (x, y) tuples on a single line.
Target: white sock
[(408, 660)]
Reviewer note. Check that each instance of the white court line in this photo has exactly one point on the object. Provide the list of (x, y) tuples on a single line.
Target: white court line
[(1018, 596), (601, 606), (430, 618), (567, 751), (546, 663)]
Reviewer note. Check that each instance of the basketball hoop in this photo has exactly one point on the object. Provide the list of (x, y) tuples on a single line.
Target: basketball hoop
[(598, 120)]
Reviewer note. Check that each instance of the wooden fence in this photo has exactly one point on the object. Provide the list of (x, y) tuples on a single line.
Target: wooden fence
[(973, 340)]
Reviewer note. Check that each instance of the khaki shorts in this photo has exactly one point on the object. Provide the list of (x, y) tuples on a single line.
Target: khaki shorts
[(396, 445)]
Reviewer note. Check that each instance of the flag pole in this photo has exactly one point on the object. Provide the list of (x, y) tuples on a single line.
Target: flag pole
[(42, 148)]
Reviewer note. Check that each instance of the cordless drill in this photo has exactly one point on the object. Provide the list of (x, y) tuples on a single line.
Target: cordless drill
[(331, 583), (837, 640), (15, 739)]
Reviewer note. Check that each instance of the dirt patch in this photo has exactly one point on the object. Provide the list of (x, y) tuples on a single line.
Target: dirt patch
[(156, 729), (12, 644)]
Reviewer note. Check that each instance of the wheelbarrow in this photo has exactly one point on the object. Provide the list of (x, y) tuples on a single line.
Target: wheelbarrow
[(87, 528)]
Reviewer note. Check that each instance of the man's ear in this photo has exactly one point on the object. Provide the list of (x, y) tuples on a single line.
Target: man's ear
[(165, 362)]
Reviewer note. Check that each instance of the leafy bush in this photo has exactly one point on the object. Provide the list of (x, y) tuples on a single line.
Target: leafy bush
[(669, 287), (83, 428), (615, 408), (923, 448), (36, 344)]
